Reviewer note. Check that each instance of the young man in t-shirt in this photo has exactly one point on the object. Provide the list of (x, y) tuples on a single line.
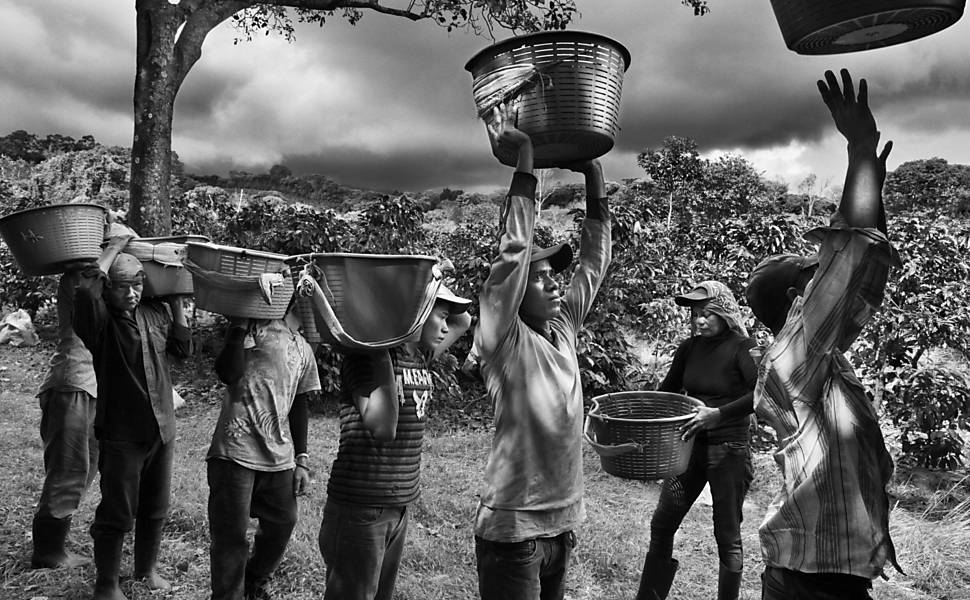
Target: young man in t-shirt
[(375, 476), (129, 340), (526, 339), (257, 463)]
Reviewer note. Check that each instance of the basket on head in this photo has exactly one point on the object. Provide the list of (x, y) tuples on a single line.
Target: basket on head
[(45, 239), (237, 282), (838, 26), (565, 87), (637, 434), (161, 258), (364, 301)]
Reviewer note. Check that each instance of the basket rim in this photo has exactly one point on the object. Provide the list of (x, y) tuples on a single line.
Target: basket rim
[(50, 206), (177, 239), (312, 255), (520, 40), (236, 250), (596, 404)]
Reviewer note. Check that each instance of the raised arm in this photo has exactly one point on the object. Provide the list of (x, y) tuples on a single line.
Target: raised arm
[(374, 391), (231, 362), (457, 326), (504, 288), (861, 203), (595, 244)]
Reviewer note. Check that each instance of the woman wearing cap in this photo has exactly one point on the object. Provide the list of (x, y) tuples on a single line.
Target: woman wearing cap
[(384, 400), (714, 366)]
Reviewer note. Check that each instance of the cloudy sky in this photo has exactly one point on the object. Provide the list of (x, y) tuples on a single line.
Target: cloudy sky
[(387, 104)]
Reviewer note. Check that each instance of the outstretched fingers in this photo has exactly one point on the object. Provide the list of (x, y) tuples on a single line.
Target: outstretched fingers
[(848, 90), (884, 155)]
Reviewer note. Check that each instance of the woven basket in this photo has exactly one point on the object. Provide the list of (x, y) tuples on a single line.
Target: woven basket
[(241, 301), (166, 279), (43, 240), (368, 301), (839, 26), (571, 111), (637, 434)]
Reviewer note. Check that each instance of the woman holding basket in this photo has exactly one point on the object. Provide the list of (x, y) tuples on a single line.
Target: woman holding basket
[(714, 366)]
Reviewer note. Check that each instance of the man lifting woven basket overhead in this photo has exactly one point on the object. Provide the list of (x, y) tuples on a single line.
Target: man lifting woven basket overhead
[(532, 501)]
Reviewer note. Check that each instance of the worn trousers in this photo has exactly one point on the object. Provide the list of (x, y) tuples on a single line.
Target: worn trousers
[(529, 570), (236, 494), (362, 547), (70, 451), (785, 584), (136, 481), (727, 467)]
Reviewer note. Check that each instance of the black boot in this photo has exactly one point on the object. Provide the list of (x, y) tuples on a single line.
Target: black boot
[(148, 541), (107, 560), (49, 535), (656, 579), (728, 584)]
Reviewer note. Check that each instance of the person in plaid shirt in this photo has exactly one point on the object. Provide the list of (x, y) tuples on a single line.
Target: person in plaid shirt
[(826, 534)]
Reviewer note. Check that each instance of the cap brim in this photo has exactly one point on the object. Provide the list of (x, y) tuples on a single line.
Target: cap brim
[(456, 304), (559, 256), (696, 295)]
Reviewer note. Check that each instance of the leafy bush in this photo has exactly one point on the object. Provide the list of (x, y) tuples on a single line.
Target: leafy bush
[(931, 405)]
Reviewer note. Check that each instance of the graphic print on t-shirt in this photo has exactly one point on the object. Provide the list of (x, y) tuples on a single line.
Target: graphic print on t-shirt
[(415, 378)]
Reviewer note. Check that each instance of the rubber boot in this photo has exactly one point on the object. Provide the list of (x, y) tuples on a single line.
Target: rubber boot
[(107, 560), (656, 579), (728, 584), (49, 537), (148, 541)]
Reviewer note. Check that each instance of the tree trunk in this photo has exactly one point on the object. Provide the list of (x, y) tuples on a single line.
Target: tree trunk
[(156, 84)]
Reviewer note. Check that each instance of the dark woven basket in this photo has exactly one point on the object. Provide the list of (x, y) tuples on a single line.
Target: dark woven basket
[(45, 239), (637, 434), (839, 26), (572, 112), (229, 260), (376, 299)]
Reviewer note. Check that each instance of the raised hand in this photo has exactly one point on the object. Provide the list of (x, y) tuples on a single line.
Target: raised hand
[(502, 130), (850, 111)]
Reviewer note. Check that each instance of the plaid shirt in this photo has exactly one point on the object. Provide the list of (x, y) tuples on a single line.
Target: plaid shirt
[(832, 515)]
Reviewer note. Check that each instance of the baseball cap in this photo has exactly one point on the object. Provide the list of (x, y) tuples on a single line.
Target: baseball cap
[(457, 304), (559, 256), (767, 289), (126, 268)]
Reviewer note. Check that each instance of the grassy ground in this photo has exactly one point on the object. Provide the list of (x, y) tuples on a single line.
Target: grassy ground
[(932, 534)]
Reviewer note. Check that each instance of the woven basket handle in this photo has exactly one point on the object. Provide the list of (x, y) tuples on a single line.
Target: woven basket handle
[(607, 449)]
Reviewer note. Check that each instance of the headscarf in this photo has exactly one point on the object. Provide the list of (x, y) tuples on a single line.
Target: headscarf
[(717, 298)]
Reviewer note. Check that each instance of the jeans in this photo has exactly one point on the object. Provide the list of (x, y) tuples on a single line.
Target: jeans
[(362, 546), (236, 494), (531, 570), (136, 481), (70, 451), (727, 467), (784, 584)]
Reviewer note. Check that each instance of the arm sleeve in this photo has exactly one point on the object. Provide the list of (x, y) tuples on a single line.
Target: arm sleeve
[(595, 254), (231, 362), (674, 380), (90, 312), (299, 418), (748, 370), (848, 286), (357, 376), (179, 342), (504, 288)]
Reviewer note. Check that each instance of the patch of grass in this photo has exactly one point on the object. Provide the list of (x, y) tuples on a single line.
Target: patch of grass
[(439, 561)]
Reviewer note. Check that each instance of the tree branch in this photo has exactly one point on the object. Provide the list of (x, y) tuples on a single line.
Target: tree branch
[(201, 17)]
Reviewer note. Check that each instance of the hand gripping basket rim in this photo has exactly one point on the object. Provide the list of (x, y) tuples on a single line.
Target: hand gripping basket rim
[(326, 311), (634, 465)]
